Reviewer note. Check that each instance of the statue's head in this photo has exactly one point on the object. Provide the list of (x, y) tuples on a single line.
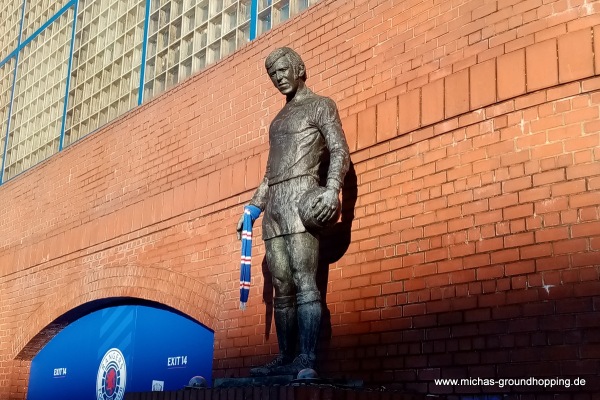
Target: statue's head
[(286, 70)]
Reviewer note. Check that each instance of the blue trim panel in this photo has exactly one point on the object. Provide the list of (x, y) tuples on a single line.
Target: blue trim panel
[(22, 23), (38, 31), (46, 24), (8, 57), (253, 19), (12, 93), (144, 50), (68, 85)]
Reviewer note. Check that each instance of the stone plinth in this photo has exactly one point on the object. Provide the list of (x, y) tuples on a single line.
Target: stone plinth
[(291, 391)]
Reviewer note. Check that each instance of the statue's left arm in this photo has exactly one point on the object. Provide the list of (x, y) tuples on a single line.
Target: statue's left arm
[(331, 129), (330, 126)]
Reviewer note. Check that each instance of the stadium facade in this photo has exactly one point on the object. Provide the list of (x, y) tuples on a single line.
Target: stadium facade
[(469, 245)]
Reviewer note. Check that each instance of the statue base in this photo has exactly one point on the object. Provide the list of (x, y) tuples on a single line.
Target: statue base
[(276, 380), (280, 388), (284, 380)]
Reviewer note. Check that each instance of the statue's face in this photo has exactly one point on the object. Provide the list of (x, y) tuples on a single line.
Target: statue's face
[(284, 76)]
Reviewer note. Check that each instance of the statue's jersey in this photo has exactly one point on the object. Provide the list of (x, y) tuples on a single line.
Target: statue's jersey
[(299, 138)]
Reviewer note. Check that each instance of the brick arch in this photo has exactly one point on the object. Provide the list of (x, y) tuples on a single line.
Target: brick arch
[(180, 292)]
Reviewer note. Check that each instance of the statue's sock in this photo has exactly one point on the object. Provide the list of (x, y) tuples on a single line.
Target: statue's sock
[(309, 322), (285, 324)]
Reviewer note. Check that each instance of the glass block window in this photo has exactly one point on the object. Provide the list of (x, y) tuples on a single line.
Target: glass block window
[(184, 36), (6, 83), (274, 12), (38, 103), (38, 12), (106, 64), (10, 24), (187, 35), (281, 11)]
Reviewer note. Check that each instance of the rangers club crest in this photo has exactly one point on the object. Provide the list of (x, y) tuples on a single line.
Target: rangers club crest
[(112, 376)]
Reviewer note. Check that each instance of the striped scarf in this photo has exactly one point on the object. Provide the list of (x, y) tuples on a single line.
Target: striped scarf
[(251, 213)]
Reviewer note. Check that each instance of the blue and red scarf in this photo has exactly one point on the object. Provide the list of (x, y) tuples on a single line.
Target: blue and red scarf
[(251, 213)]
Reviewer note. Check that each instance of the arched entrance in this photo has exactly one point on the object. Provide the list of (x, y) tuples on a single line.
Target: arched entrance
[(120, 345)]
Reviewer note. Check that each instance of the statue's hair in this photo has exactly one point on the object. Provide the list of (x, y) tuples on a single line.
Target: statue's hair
[(291, 55)]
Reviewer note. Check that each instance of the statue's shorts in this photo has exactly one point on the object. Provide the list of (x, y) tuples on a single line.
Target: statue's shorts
[(281, 212)]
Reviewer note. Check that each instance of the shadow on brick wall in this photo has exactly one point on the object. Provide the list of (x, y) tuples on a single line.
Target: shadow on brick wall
[(334, 244)]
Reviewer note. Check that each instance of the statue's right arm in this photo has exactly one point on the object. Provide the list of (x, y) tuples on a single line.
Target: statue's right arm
[(258, 200), (260, 196)]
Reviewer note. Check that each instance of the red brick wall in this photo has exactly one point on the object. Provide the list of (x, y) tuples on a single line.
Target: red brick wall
[(475, 245)]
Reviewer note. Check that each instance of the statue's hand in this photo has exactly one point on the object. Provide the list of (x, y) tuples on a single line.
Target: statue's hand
[(325, 205), (240, 226)]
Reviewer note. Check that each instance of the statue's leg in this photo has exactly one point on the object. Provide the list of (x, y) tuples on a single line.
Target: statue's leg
[(304, 252), (284, 304)]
